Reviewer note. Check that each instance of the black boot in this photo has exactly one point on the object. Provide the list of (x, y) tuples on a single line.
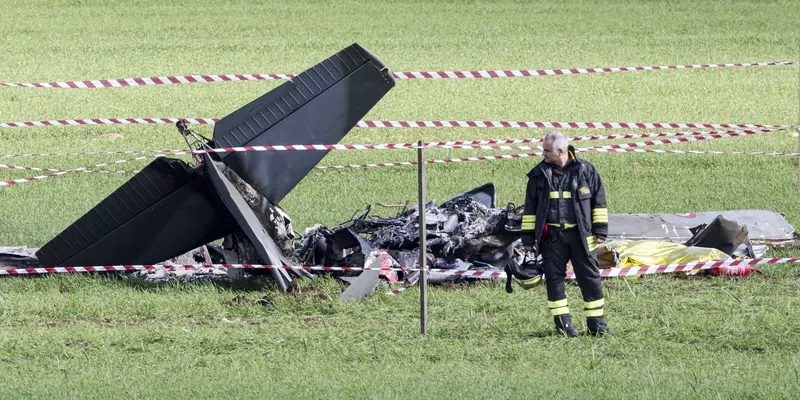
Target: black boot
[(564, 325), (597, 326)]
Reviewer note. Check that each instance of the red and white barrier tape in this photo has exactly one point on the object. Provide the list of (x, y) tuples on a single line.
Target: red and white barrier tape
[(606, 273), (455, 145), (710, 136), (90, 168), (627, 147), (75, 170), (523, 155), (306, 147), (34, 178), (410, 124), (609, 148), (738, 153), (402, 289), (555, 125), (566, 71), (173, 80), (627, 272), (447, 161), (151, 267), (442, 144), (649, 135), (529, 155), (90, 153), (17, 167), (108, 121), (395, 146), (678, 140), (351, 166)]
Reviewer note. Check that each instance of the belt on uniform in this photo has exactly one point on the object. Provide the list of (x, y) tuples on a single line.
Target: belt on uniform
[(558, 226)]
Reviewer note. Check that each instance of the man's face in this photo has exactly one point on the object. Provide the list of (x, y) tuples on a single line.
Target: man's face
[(550, 153)]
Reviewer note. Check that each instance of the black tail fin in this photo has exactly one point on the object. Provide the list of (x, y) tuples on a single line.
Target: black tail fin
[(318, 106)]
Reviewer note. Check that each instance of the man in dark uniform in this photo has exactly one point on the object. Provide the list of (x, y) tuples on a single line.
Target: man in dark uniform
[(565, 218)]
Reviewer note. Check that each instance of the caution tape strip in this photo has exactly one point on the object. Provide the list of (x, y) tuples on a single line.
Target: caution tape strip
[(628, 148), (624, 272), (649, 135), (396, 146), (409, 163), (351, 166), (90, 153), (90, 168), (708, 136), (17, 167), (410, 124), (153, 267), (720, 135), (610, 148), (442, 144), (609, 272), (556, 125), (108, 121), (738, 153), (530, 155), (403, 288), (34, 178), (174, 80), (103, 171), (446, 161), (695, 136)]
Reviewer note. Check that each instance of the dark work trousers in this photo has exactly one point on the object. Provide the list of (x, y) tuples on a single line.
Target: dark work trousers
[(561, 246)]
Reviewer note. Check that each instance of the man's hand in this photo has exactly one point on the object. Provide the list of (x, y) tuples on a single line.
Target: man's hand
[(599, 241)]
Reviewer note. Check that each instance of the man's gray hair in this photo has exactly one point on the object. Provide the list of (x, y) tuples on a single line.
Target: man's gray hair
[(559, 140)]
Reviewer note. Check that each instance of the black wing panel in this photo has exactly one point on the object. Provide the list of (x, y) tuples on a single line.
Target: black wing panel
[(163, 211)]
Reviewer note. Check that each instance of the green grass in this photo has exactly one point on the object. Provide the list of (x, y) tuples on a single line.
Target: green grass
[(101, 338), (97, 338)]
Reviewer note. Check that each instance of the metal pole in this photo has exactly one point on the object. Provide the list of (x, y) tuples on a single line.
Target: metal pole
[(798, 126), (423, 278)]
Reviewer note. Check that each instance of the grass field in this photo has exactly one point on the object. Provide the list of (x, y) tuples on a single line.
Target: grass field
[(91, 337)]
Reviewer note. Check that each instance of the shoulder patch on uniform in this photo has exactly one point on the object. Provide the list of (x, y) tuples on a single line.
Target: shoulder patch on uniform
[(584, 190)]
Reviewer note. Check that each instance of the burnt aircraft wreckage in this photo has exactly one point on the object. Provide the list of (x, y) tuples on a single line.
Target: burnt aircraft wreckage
[(172, 211), (172, 207)]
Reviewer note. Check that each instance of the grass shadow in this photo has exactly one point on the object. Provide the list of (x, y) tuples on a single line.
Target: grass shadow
[(258, 283), (546, 333)]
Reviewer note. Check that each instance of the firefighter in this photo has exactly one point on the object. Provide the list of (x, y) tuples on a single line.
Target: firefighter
[(565, 218)]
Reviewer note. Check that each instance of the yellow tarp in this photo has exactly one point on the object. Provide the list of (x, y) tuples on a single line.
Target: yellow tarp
[(635, 253)]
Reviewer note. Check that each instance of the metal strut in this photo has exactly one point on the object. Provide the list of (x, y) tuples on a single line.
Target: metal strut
[(194, 140)]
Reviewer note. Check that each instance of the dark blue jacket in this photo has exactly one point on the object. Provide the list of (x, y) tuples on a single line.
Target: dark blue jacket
[(587, 193)]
